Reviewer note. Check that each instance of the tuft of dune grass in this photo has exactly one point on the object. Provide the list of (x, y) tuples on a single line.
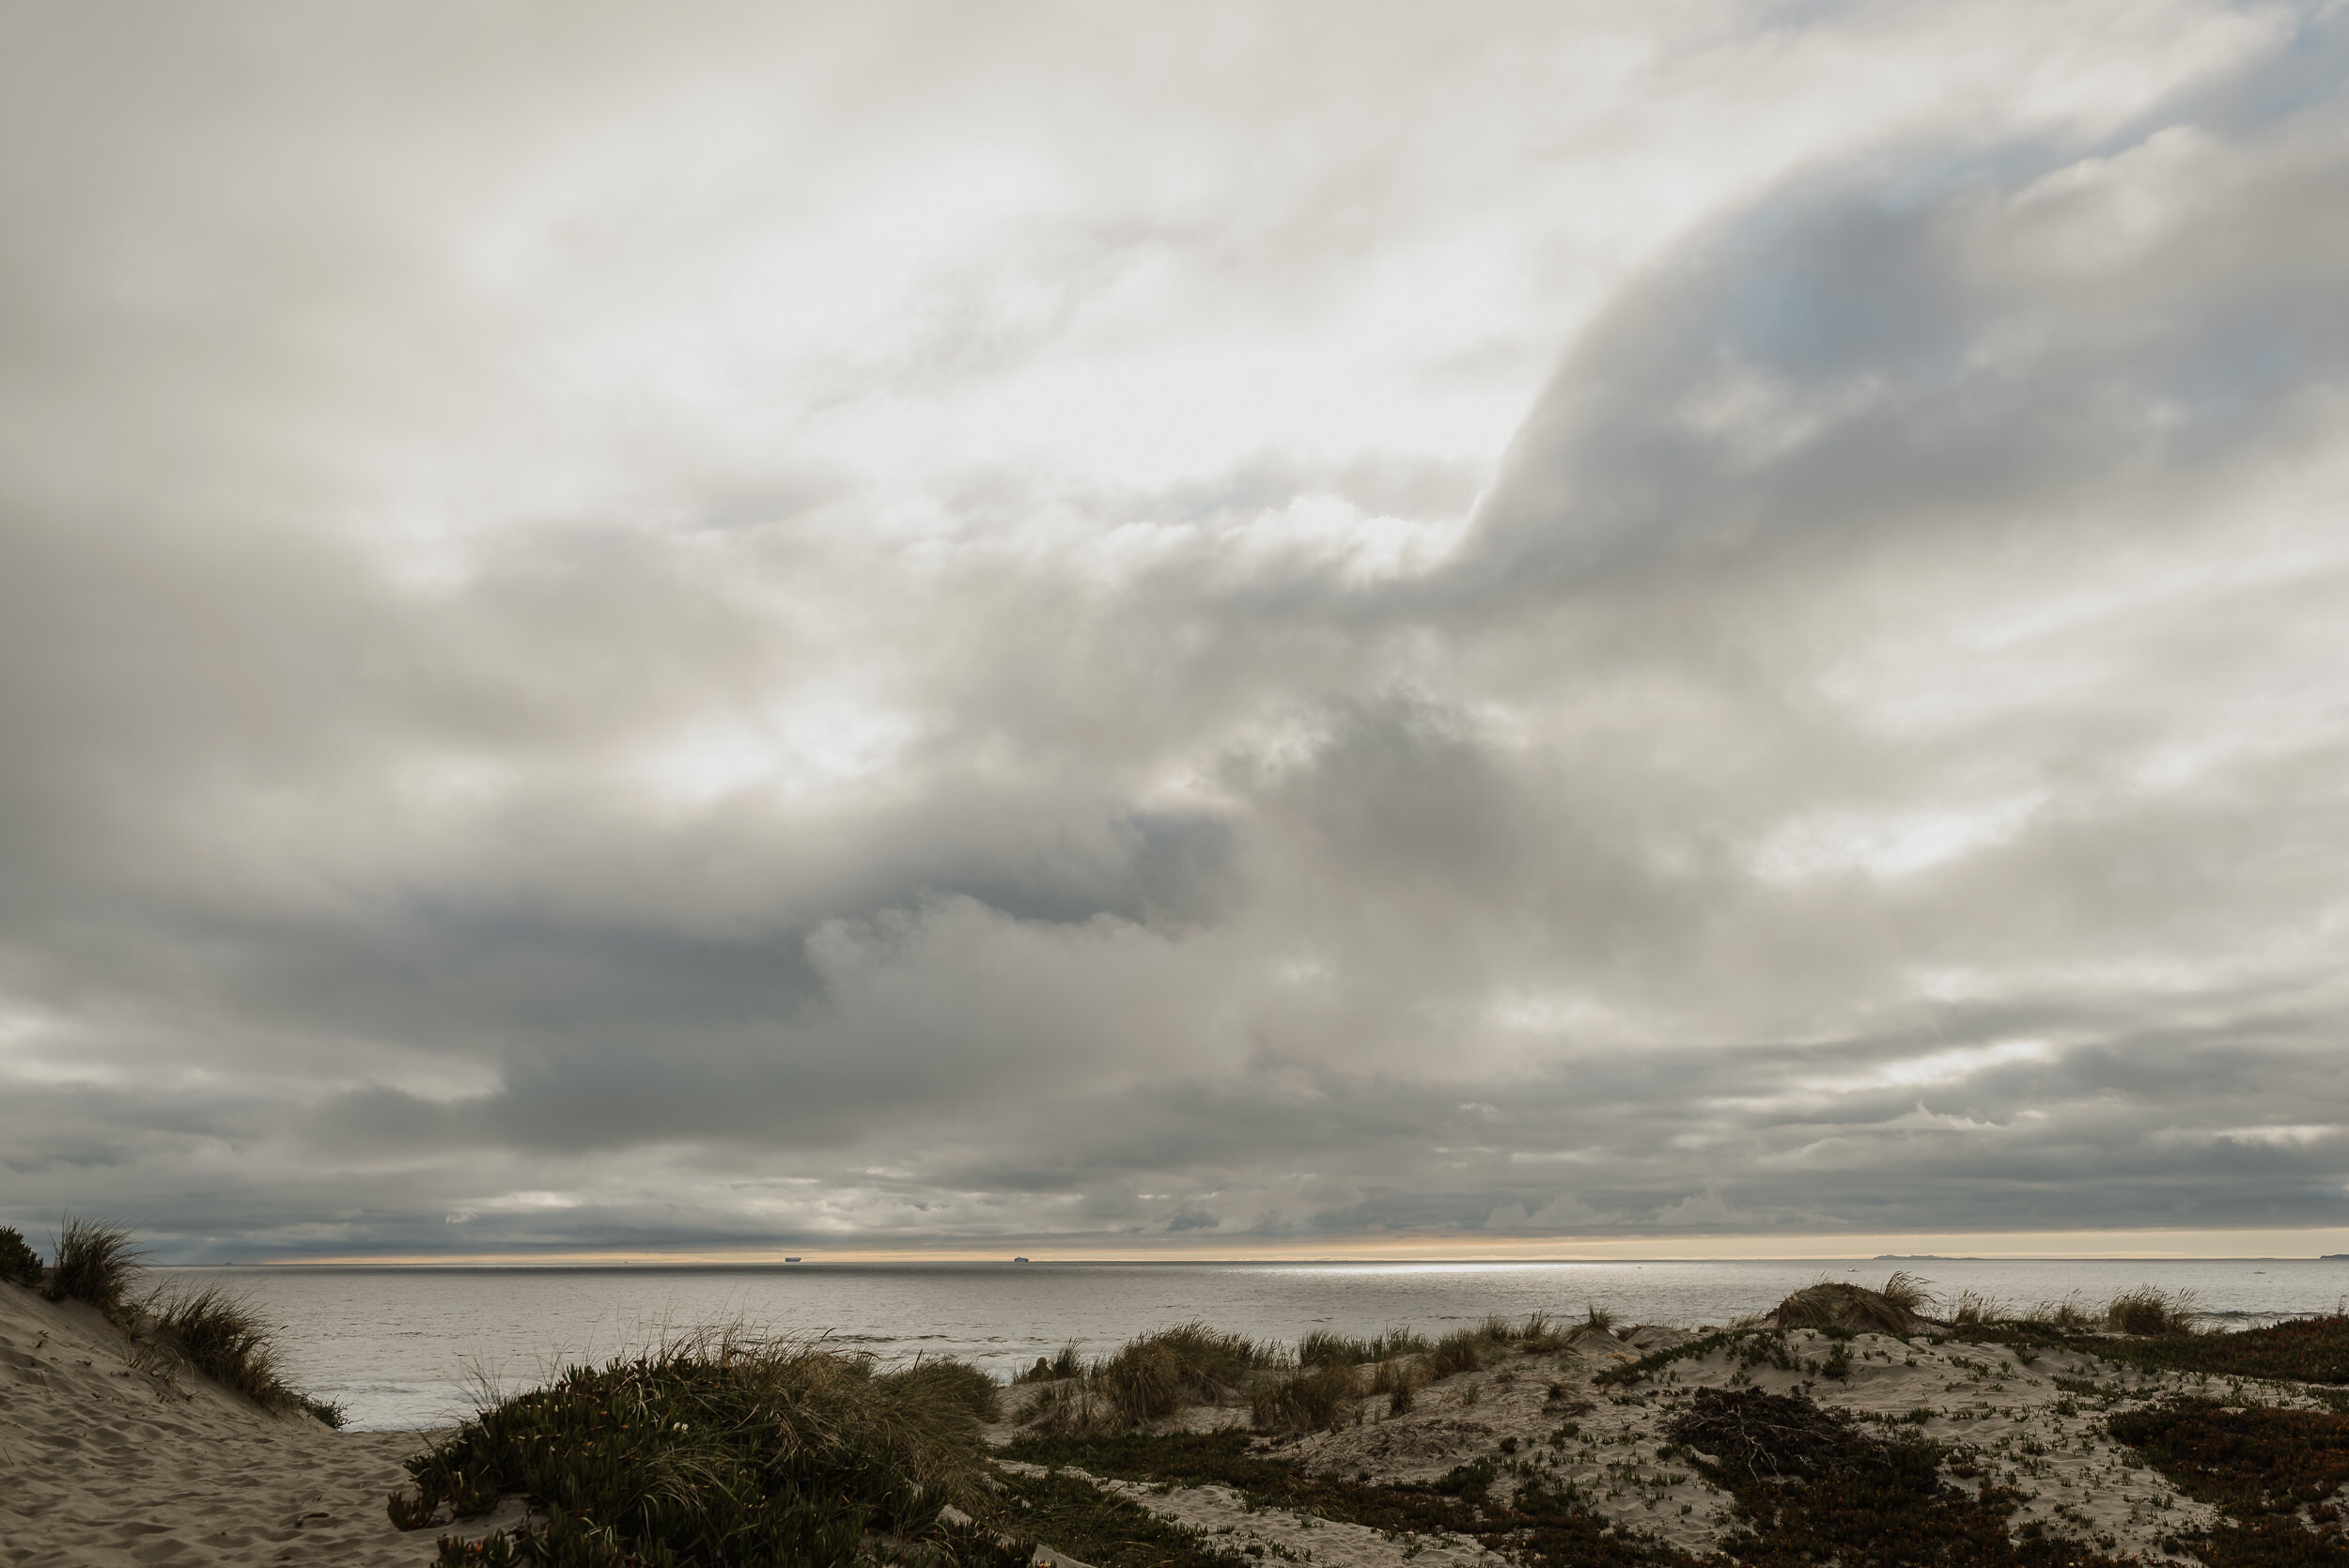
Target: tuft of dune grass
[(1462, 1350), (225, 1337), (96, 1263), (2149, 1310), (1309, 1401), (1322, 1348), (1147, 1378), (1970, 1309), (716, 1448), (1067, 1361), (956, 1379), (19, 1264)]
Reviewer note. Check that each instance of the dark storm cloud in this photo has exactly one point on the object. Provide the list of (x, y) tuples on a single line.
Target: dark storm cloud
[(511, 747)]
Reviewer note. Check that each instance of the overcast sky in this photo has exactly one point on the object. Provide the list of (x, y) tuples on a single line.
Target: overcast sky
[(1245, 628)]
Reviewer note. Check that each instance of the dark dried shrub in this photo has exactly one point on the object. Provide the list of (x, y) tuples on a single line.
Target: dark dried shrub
[(1750, 1432), (1833, 1304)]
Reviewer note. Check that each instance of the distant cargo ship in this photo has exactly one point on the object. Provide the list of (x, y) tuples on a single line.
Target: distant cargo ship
[(1019, 1260)]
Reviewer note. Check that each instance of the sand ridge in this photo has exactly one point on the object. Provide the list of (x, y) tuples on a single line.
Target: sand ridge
[(2006, 1418), (104, 1463)]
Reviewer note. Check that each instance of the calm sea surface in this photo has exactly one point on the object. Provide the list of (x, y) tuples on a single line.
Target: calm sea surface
[(410, 1347)]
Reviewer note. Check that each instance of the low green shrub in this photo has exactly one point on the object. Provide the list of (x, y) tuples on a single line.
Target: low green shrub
[(1093, 1526), (718, 1449)]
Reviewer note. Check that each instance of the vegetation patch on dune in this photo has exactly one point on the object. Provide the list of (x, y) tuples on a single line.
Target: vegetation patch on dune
[(1099, 1528), (1813, 1488), (2277, 1474), (718, 1450), (1540, 1527), (2305, 1350)]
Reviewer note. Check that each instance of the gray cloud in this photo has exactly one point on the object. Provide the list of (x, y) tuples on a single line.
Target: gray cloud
[(567, 682)]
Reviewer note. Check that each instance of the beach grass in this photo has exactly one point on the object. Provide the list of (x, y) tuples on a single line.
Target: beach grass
[(225, 1337), (1148, 1378), (1462, 1350), (1323, 1348), (19, 1264), (96, 1261), (209, 1330), (1311, 1399)]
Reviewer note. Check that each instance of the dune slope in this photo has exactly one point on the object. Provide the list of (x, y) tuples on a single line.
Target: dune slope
[(104, 1463)]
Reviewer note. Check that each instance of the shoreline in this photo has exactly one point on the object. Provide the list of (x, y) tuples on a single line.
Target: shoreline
[(102, 1458)]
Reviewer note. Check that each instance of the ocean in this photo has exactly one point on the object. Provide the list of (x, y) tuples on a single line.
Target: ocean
[(418, 1347)]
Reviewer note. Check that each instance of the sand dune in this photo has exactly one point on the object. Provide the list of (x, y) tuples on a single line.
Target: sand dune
[(102, 1463), (2006, 1415)]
